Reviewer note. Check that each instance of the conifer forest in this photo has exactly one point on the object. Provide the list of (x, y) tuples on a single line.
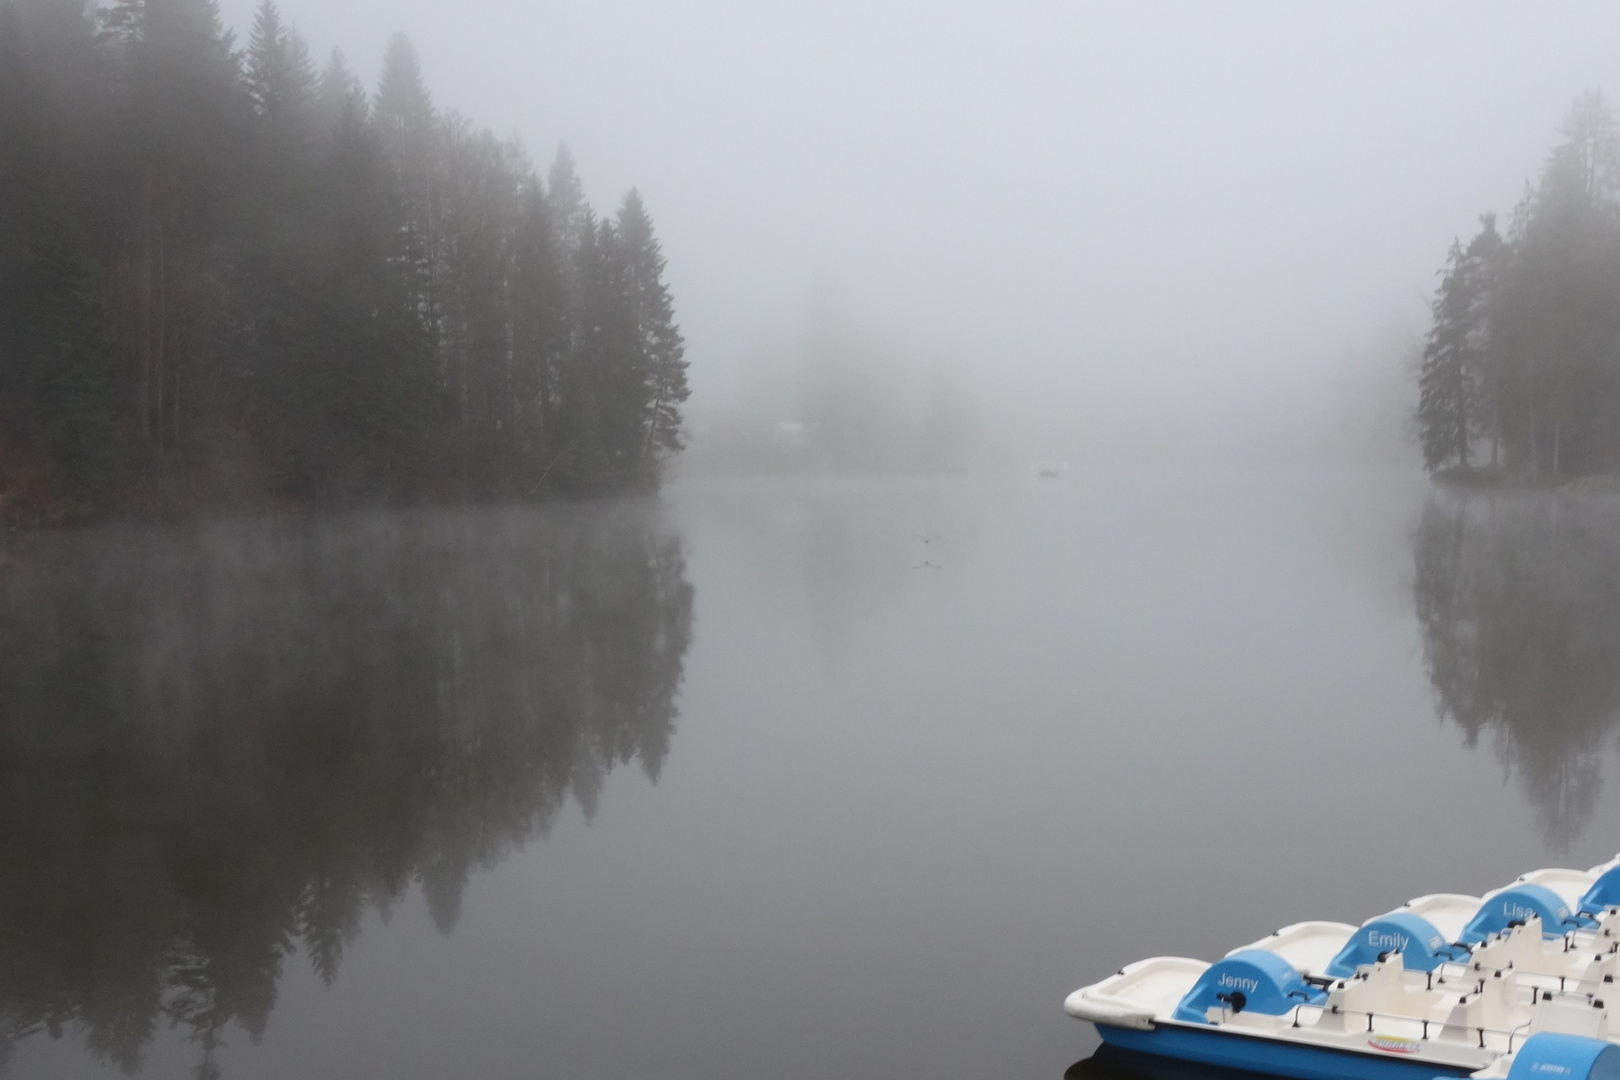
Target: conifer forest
[(233, 276), (1520, 372)]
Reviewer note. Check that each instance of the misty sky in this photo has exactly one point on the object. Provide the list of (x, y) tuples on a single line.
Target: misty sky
[(1097, 204)]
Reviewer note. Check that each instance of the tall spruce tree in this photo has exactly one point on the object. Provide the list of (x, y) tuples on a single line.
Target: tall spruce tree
[(481, 179), (18, 164), (581, 459), (182, 134), (1491, 255), (370, 358), (661, 351), (539, 318), (1449, 374), (403, 112), (615, 360), (66, 351), (1454, 374), (280, 81), (569, 207), (339, 95), (57, 373)]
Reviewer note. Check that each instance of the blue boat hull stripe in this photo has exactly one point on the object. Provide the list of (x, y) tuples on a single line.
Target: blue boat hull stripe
[(1213, 1046)]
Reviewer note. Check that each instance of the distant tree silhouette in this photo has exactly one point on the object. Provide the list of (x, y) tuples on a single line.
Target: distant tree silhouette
[(1524, 353)]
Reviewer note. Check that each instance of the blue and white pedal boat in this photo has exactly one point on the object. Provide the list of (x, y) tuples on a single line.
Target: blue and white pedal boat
[(1514, 985)]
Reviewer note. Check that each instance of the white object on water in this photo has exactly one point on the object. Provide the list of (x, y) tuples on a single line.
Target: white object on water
[(1513, 985)]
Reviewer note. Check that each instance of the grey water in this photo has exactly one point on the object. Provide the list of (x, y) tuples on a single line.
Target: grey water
[(767, 777)]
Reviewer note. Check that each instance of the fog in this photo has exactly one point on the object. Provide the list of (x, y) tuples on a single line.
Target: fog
[(385, 692), (1161, 224)]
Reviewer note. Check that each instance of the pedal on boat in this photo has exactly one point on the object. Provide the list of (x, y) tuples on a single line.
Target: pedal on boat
[(1513, 985)]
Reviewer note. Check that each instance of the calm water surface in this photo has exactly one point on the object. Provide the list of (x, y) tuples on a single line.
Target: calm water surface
[(773, 778)]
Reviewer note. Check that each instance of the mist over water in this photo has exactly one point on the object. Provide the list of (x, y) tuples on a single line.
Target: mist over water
[(851, 777)]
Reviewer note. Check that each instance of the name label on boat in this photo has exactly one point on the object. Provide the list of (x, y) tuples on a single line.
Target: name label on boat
[(1394, 1044), (1518, 911), (1248, 986), (1396, 941)]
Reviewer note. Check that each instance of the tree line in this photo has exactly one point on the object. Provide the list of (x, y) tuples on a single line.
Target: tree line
[(1520, 372), (231, 277)]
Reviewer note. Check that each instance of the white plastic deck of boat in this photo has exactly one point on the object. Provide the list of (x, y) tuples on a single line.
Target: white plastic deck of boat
[(1141, 993), (1307, 946), (1449, 912), (1570, 885), (1602, 868)]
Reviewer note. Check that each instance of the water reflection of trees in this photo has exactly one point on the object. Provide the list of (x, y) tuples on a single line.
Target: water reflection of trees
[(1518, 598), (219, 745)]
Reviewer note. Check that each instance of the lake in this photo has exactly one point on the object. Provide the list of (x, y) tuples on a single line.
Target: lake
[(768, 777)]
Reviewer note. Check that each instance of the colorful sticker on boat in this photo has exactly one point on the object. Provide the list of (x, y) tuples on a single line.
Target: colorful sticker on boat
[(1394, 1044)]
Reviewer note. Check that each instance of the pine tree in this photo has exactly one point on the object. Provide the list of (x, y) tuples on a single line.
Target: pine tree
[(481, 180), (659, 343), (182, 147), (280, 272), (581, 457), (404, 107), (371, 364), (17, 165), (339, 95), (56, 362), (1451, 370), (180, 87), (1585, 168), (280, 81), (265, 60), (617, 360), (569, 208), (539, 335), (68, 347), (404, 113), (1491, 256)]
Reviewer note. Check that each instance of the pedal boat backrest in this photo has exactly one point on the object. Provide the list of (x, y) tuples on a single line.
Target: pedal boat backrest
[(1604, 893), (1421, 945), (1516, 903), (1309, 947), (1252, 980)]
